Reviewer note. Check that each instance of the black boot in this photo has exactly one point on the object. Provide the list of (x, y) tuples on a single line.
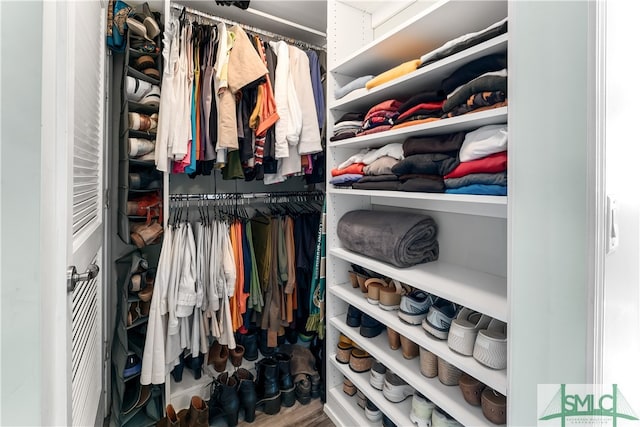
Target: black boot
[(195, 364), (262, 343), (285, 381), (178, 369), (250, 343), (267, 387), (246, 393), (224, 400)]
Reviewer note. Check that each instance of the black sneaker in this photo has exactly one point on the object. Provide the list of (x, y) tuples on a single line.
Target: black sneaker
[(133, 366)]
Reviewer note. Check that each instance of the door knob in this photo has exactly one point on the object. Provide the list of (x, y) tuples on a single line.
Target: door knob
[(73, 277)]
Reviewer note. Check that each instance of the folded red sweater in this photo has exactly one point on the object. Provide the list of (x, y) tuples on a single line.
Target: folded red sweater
[(356, 168), (496, 162), (436, 106)]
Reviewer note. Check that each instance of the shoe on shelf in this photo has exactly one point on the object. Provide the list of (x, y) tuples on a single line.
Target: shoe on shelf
[(360, 361), (439, 418), (390, 296), (421, 410), (133, 366), (133, 314), (137, 282), (428, 363), (143, 15), (361, 399), (448, 374), (378, 370), (152, 72), (143, 122), (415, 305), (348, 387), (143, 234), (136, 88), (394, 338), (395, 389), (373, 286), (372, 412), (370, 327), (246, 393), (343, 352), (490, 348), (464, 330), (143, 62), (494, 406), (218, 356), (353, 279), (152, 98), (354, 316), (145, 180), (224, 402), (236, 354), (410, 349), (471, 389), (149, 206), (439, 318), (171, 419)]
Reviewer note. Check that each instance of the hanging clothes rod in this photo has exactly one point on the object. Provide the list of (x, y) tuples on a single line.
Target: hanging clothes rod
[(245, 196), (214, 19)]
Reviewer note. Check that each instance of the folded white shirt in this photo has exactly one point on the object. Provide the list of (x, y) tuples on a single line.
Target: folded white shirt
[(484, 141), (392, 150)]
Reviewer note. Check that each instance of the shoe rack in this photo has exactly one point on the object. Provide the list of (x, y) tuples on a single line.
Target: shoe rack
[(128, 164), (472, 267), (132, 403)]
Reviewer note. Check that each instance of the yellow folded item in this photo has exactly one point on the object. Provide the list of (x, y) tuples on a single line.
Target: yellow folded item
[(393, 73)]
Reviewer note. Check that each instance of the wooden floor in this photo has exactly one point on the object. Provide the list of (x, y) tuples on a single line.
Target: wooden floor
[(298, 415)]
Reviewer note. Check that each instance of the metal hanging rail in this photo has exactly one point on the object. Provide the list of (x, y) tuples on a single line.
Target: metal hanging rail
[(274, 197), (214, 19)]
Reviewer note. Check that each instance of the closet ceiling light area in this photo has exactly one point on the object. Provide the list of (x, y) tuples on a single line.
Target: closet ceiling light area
[(304, 20)]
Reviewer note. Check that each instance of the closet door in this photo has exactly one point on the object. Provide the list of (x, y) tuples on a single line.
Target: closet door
[(73, 186)]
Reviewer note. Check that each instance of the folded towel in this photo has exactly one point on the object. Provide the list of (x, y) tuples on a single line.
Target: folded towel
[(431, 163), (351, 86), (483, 141), (479, 189), (491, 164), (432, 144), (401, 238), (393, 73)]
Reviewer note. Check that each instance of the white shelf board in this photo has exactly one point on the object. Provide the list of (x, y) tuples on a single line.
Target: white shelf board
[(426, 78), (423, 33), (397, 412), (347, 406), (448, 398), (492, 206), (466, 122), (496, 379), (189, 385), (477, 290)]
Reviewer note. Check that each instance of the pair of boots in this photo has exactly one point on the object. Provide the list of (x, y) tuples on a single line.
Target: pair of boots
[(231, 393), (195, 416), (274, 383), (193, 363)]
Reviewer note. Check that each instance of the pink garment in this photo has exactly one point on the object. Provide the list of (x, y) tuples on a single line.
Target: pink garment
[(374, 130)]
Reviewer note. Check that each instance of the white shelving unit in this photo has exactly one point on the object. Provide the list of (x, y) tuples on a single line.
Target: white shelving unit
[(471, 271)]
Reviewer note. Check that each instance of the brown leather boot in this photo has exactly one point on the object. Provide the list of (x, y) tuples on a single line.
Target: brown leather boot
[(171, 420), (198, 415)]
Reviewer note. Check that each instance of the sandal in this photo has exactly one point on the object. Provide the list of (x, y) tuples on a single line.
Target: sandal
[(143, 234), (390, 296), (149, 205)]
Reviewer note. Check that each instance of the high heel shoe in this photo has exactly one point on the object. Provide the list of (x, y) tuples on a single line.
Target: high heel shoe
[(195, 364), (176, 373), (246, 393), (218, 356)]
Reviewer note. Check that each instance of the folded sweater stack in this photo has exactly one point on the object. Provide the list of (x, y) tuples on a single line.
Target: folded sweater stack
[(368, 165), (483, 163), (347, 126)]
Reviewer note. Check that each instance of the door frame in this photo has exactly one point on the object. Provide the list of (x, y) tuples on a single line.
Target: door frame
[(56, 217)]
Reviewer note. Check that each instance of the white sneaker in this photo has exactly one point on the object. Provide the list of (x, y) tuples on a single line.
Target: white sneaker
[(395, 389), (377, 375), (140, 146), (152, 98), (415, 305), (464, 330), (137, 89), (439, 318), (491, 345), (372, 412), (421, 410), (440, 418)]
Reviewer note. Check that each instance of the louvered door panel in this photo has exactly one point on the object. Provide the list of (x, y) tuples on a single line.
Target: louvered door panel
[(87, 207)]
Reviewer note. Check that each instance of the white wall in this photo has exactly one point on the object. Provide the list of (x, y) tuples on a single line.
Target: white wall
[(20, 79), (548, 268), (622, 267)]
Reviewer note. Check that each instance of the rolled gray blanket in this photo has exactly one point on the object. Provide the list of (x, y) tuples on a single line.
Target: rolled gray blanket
[(400, 238)]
